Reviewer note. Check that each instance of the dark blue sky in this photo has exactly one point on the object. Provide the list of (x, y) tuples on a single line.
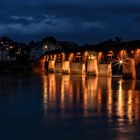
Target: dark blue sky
[(77, 20)]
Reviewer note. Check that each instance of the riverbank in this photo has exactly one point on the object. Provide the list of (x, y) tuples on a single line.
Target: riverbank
[(15, 66)]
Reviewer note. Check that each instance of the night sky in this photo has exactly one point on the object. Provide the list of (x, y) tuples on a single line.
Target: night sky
[(82, 21)]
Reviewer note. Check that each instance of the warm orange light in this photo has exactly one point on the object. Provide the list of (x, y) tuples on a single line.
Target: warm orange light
[(122, 54), (66, 67), (120, 104), (138, 51), (71, 57), (110, 53), (86, 53), (63, 56), (85, 56), (120, 61), (137, 56), (42, 61), (78, 53), (132, 52), (54, 57), (52, 89), (100, 56), (45, 92)]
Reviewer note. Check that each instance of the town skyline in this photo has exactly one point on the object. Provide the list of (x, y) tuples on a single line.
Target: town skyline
[(53, 38)]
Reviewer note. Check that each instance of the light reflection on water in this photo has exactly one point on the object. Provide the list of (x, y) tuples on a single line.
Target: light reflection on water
[(90, 94), (114, 103), (69, 107)]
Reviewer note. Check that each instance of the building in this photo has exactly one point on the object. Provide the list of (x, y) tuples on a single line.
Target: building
[(5, 45), (9, 50), (37, 49)]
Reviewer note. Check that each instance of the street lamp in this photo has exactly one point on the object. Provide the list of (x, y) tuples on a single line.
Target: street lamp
[(120, 61)]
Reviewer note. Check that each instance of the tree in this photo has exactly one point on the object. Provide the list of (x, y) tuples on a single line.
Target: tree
[(118, 39), (49, 39)]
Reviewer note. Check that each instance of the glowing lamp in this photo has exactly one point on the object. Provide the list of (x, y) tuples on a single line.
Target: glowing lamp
[(120, 61), (46, 47)]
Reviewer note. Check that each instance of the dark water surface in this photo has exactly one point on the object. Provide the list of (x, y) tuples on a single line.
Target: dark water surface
[(64, 107)]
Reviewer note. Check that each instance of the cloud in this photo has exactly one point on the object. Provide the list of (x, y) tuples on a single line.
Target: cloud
[(22, 17), (93, 24), (48, 24), (75, 19)]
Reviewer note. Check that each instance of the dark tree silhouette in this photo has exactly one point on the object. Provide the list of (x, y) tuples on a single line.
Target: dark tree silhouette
[(50, 39)]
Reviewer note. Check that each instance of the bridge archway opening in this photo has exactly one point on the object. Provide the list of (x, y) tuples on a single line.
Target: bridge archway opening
[(78, 57), (85, 56), (122, 54), (71, 57), (117, 68), (100, 57), (58, 58)]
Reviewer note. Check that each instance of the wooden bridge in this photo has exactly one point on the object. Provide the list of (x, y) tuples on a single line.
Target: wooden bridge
[(96, 60)]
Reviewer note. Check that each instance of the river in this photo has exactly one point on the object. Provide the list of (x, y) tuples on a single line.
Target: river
[(68, 107)]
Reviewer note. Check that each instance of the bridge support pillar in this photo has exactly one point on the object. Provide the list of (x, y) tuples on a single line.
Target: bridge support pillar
[(77, 68), (58, 67), (92, 67), (66, 67), (51, 66), (105, 70), (129, 70)]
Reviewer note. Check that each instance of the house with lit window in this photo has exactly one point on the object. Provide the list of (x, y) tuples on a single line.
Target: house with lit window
[(6, 49), (4, 54), (39, 48)]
